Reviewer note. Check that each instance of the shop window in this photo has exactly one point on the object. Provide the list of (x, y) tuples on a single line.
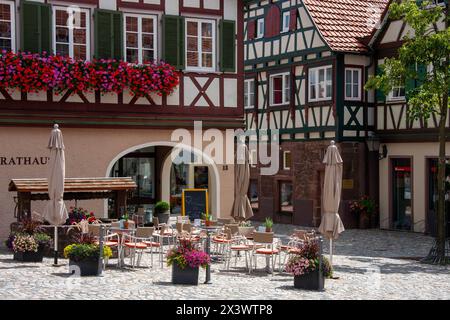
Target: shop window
[(140, 38), (7, 26), (253, 194), (286, 197), (71, 32), (401, 194)]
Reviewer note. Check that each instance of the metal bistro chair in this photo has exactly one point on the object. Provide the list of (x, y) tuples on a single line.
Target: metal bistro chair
[(111, 240), (142, 240), (264, 244)]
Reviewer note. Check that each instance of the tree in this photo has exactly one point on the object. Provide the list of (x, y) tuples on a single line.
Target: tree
[(424, 59)]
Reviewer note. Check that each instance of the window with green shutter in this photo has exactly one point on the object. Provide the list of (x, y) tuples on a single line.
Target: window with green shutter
[(173, 41), (36, 22), (227, 46), (108, 34)]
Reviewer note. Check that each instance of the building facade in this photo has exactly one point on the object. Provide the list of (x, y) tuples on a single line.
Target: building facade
[(306, 63), (408, 173), (120, 134)]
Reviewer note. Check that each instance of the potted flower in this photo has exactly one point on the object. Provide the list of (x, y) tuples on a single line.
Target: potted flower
[(185, 260), (309, 268), (76, 215), (207, 217), (268, 224), (364, 208), (84, 256), (124, 219), (246, 229), (28, 242), (162, 210)]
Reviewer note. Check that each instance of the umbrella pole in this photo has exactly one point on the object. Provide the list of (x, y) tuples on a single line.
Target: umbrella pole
[(331, 252), (56, 246)]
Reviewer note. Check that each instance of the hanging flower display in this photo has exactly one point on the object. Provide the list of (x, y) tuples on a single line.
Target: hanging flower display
[(34, 73)]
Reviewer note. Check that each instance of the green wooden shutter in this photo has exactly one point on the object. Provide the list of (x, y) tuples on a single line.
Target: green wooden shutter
[(421, 74), (108, 34), (380, 96), (227, 31), (410, 82), (36, 27), (173, 42)]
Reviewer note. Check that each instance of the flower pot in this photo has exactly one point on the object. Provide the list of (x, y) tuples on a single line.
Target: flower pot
[(268, 229), (364, 220), (208, 223), (29, 256), (125, 224), (88, 267), (163, 216), (187, 275), (310, 281)]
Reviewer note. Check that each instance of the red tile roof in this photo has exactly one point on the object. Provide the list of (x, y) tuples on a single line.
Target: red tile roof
[(343, 23)]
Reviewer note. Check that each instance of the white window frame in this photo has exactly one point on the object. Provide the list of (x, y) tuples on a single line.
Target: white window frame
[(249, 90), (286, 19), (253, 158), (140, 45), (70, 11), (285, 167), (316, 70), (260, 29), (352, 97), (391, 96), (12, 10), (199, 45), (285, 85)]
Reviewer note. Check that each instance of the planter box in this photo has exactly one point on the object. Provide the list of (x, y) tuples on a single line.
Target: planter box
[(29, 256), (84, 268), (187, 275), (310, 281)]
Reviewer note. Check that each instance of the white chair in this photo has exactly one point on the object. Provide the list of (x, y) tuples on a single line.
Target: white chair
[(139, 243), (265, 245), (111, 240)]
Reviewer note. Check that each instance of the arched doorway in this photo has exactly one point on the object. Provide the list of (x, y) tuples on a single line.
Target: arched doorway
[(158, 178)]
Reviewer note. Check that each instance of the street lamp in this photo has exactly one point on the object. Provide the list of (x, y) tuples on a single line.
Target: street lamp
[(373, 144)]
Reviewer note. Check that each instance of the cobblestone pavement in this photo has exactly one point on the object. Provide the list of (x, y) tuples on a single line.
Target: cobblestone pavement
[(370, 264)]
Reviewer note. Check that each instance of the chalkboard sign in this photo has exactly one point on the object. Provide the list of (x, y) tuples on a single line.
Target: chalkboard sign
[(195, 203)]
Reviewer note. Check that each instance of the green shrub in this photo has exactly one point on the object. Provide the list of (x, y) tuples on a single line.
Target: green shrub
[(162, 206)]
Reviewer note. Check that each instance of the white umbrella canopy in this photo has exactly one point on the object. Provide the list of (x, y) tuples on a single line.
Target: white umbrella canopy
[(242, 209), (56, 212), (331, 225)]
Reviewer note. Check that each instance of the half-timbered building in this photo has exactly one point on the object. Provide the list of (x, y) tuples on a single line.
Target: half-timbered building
[(121, 134), (408, 170), (306, 62)]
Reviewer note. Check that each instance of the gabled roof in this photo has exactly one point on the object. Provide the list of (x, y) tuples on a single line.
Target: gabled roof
[(346, 25)]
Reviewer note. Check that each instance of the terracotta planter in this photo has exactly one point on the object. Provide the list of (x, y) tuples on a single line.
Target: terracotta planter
[(268, 229), (125, 224), (364, 220), (208, 223)]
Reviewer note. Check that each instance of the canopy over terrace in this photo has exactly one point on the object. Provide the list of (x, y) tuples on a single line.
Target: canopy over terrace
[(74, 189)]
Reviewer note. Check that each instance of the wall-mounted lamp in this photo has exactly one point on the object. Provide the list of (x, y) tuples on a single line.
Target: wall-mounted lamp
[(373, 144)]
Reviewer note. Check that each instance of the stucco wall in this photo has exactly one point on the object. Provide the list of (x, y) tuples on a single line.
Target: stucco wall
[(89, 153), (419, 153)]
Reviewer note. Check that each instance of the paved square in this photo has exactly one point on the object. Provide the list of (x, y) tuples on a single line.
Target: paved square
[(370, 264)]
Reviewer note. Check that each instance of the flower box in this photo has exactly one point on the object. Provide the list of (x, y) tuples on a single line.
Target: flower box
[(88, 267), (30, 256), (188, 275), (310, 281)]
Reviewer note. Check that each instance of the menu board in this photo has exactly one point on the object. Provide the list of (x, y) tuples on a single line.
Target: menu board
[(195, 203)]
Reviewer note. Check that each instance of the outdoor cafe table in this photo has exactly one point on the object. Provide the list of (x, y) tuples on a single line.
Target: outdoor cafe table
[(121, 232)]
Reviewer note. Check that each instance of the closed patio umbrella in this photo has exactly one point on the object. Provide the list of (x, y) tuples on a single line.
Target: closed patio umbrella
[(55, 212), (242, 210), (331, 225)]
